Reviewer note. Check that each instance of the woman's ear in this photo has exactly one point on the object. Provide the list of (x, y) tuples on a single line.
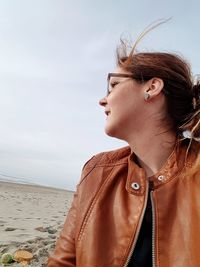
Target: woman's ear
[(155, 86)]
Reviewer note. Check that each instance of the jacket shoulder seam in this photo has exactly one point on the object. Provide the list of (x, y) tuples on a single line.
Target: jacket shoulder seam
[(90, 165)]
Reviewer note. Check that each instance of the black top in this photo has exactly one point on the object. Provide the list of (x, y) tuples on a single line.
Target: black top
[(142, 254)]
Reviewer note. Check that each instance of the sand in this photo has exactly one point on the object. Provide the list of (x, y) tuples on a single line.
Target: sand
[(31, 218)]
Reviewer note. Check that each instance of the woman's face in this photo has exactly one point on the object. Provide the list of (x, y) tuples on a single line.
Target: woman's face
[(124, 106)]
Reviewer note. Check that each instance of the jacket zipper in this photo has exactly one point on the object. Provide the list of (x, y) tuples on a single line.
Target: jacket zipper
[(138, 230), (153, 230)]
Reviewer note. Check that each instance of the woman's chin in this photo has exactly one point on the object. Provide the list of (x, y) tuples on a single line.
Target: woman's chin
[(112, 132), (109, 131)]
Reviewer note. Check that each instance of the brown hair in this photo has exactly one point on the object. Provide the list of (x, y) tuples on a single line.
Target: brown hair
[(183, 97)]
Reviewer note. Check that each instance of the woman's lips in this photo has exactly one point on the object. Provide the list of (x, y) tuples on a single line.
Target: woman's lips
[(107, 112)]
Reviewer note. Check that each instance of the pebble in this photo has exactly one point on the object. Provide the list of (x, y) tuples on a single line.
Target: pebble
[(10, 229)]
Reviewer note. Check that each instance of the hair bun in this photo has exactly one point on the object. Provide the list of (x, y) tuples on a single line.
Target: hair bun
[(196, 94), (191, 128)]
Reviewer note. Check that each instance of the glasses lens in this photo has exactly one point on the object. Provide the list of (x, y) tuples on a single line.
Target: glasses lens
[(108, 87), (123, 75)]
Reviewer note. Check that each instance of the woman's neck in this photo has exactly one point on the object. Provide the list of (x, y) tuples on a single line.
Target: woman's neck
[(153, 150)]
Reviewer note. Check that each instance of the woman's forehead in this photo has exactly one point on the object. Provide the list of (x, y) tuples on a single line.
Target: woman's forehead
[(120, 70)]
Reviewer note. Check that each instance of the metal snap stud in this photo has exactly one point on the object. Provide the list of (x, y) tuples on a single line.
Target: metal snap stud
[(135, 186), (161, 177)]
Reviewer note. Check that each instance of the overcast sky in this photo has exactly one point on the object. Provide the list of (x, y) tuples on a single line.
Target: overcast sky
[(54, 59)]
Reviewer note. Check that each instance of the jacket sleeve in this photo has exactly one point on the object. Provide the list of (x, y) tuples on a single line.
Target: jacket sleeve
[(64, 254)]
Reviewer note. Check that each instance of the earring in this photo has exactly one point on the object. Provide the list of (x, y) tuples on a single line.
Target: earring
[(146, 96)]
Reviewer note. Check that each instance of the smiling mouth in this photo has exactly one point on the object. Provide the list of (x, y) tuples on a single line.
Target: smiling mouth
[(107, 113)]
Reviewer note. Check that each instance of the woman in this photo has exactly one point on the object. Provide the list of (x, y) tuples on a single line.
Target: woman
[(140, 205)]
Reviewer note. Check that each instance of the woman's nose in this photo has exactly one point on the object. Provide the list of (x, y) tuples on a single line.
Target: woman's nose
[(103, 101)]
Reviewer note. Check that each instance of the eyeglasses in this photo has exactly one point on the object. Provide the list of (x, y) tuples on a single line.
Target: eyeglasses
[(123, 75)]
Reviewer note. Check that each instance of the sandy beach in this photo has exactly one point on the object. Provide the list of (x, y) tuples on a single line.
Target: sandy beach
[(31, 218)]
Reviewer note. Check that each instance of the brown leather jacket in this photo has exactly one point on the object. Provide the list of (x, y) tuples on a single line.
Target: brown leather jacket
[(103, 223)]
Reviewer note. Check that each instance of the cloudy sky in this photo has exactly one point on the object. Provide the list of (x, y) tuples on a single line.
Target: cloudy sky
[(54, 59)]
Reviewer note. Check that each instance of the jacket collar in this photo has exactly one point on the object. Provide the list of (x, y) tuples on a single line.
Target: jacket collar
[(137, 180)]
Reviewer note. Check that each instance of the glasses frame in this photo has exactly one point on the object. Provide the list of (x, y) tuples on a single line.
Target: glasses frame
[(123, 75)]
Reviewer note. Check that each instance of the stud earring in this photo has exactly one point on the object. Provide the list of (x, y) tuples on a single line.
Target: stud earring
[(146, 96)]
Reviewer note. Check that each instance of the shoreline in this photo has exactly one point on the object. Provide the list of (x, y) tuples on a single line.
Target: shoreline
[(34, 185)]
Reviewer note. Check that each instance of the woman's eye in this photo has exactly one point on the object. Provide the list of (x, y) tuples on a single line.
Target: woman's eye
[(113, 84)]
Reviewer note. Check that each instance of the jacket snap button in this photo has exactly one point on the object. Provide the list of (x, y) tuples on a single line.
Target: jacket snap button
[(135, 186), (161, 177)]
